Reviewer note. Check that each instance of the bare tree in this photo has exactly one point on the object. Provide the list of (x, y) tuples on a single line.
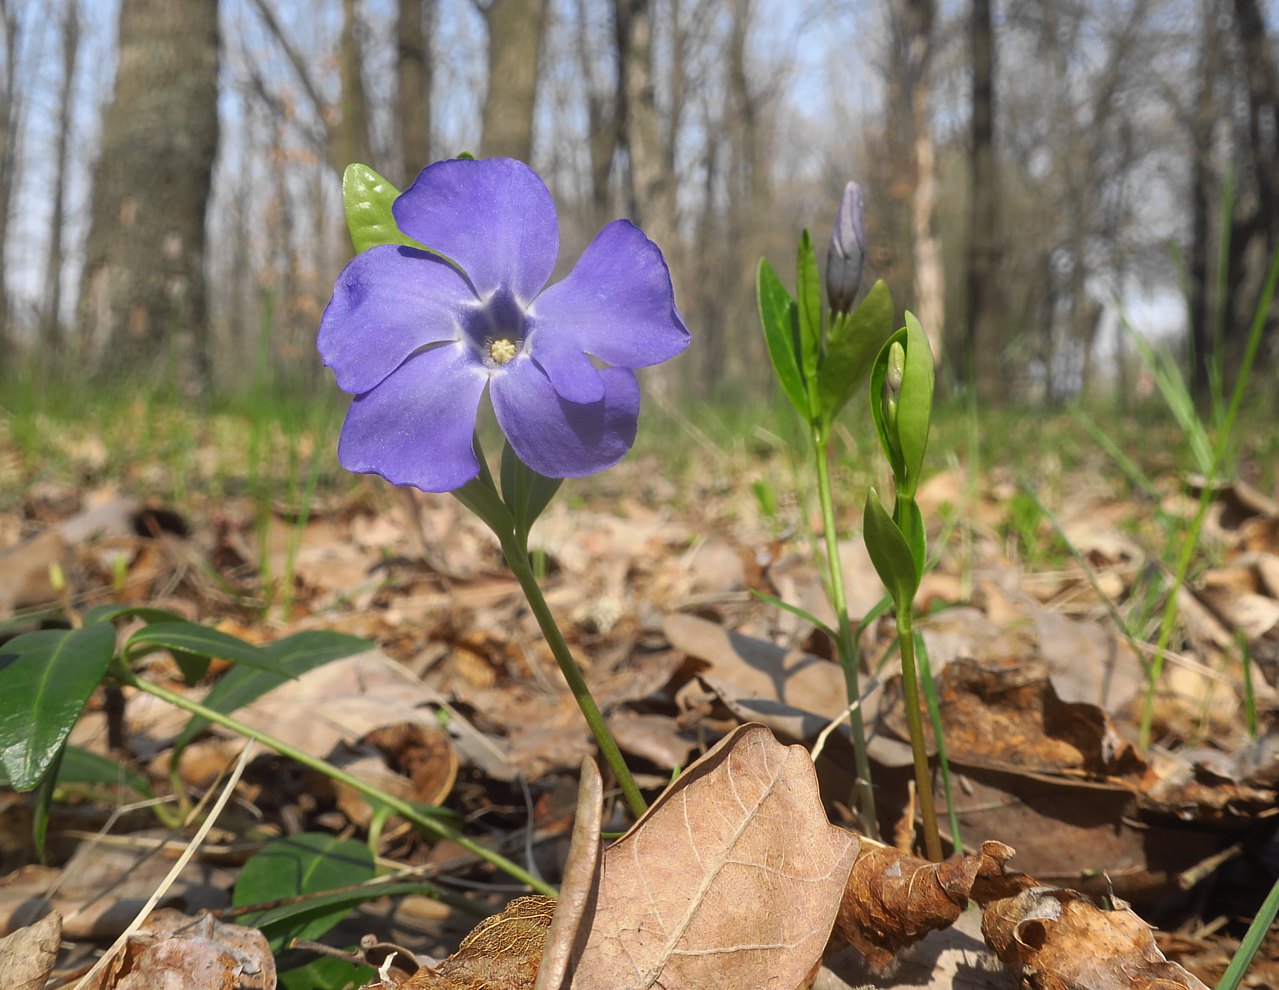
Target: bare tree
[(52, 309), (10, 114), (144, 287), (515, 31), (984, 235), (413, 89)]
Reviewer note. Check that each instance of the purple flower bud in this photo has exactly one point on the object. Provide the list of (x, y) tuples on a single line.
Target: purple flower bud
[(847, 251)]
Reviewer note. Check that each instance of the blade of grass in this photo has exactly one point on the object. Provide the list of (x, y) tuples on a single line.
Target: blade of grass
[(1256, 934)]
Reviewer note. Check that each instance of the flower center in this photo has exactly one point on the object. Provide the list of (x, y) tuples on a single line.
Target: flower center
[(502, 350)]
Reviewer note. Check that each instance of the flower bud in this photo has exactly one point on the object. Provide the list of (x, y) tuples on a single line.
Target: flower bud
[(895, 373), (847, 251)]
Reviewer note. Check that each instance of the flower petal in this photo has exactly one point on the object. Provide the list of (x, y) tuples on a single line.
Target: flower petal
[(493, 216), (571, 372), (563, 439), (617, 303), (416, 427), (388, 302)]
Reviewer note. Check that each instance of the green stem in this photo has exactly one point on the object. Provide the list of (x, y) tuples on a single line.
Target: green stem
[(402, 808), (910, 696), (848, 653), (517, 560)]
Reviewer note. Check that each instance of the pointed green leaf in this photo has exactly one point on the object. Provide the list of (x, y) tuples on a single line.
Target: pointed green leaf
[(367, 198), (808, 290), (878, 374), (307, 863), (894, 562), (852, 343), (525, 492), (778, 316), (109, 613), (46, 678), (187, 637), (83, 766), (915, 408), (294, 655)]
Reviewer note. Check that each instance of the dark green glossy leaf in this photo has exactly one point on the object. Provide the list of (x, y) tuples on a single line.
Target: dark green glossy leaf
[(188, 637), (915, 409), (192, 665), (808, 292), (294, 655), (45, 680), (779, 317), (308, 863), (852, 343), (82, 766), (44, 801), (109, 613), (894, 562)]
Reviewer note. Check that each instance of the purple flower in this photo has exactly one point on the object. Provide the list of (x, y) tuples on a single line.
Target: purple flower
[(416, 341)]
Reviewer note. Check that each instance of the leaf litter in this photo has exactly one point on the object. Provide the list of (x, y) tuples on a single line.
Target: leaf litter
[(463, 707)]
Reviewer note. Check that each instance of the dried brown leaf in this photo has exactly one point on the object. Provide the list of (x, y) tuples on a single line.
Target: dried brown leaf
[(732, 878), (1054, 939), (174, 950), (27, 955), (892, 900)]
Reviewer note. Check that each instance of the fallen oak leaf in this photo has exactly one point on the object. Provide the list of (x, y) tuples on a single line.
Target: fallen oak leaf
[(731, 878), (28, 954), (1053, 939), (893, 899)]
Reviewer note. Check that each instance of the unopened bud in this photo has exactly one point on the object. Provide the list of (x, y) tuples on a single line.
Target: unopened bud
[(847, 251), (895, 373), (57, 577)]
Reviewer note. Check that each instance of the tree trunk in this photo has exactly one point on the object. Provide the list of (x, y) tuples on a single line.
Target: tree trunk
[(51, 311), (515, 30), (650, 191), (351, 132), (414, 78), (144, 273), (10, 104), (981, 365)]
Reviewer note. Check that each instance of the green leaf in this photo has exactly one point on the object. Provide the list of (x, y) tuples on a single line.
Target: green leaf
[(779, 318), (878, 374), (109, 613), (44, 801), (82, 766), (46, 678), (190, 638), (894, 562), (294, 655), (808, 290), (915, 408), (325, 974), (367, 198), (852, 343), (797, 611), (192, 665), (526, 493), (307, 863)]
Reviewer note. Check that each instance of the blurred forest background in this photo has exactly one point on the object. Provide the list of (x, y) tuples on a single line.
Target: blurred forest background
[(1035, 170)]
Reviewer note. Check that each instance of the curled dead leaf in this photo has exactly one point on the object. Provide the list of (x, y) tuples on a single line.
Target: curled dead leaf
[(1054, 939), (893, 900)]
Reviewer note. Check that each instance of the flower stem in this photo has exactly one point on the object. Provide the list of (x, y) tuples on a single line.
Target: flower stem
[(848, 652), (517, 559), (910, 697), (402, 808)]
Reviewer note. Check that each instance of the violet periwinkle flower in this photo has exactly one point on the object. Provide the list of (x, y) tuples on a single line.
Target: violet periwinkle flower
[(417, 342), (847, 251)]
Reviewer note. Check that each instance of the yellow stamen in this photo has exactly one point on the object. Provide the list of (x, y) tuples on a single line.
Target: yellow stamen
[(502, 351)]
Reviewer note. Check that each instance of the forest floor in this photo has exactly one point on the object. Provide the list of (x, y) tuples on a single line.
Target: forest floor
[(1041, 615)]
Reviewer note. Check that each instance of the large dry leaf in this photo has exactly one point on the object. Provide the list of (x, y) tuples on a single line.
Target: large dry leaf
[(176, 952), (27, 955), (732, 878), (1054, 939)]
